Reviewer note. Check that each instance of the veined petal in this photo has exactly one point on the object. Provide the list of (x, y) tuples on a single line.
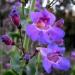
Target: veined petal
[(56, 33), (32, 32), (49, 15), (59, 32), (43, 51), (43, 38), (56, 48), (46, 65), (35, 16), (63, 64)]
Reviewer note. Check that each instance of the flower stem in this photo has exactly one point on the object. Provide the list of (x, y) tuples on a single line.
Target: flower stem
[(23, 9), (21, 41)]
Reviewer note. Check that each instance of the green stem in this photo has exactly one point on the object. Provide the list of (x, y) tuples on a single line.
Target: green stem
[(27, 46), (21, 41), (32, 2), (23, 9), (24, 43)]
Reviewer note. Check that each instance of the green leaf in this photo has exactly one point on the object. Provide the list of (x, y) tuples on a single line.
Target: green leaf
[(14, 34), (2, 52), (37, 72), (9, 72), (31, 67), (15, 60), (32, 5)]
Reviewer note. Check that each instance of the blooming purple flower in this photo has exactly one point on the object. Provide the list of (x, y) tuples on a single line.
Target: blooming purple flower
[(41, 22), (7, 40), (45, 27), (54, 59)]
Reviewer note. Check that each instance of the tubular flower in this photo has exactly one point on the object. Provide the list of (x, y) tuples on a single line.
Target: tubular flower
[(41, 22), (45, 27), (7, 40), (54, 59)]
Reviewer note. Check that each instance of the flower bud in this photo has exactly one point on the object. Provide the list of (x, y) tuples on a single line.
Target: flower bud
[(7, 40), (16, 20), (14, 15)]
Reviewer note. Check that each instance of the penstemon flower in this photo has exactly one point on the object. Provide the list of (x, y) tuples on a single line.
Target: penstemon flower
[(41, 24), (52, 58), (46, 29)]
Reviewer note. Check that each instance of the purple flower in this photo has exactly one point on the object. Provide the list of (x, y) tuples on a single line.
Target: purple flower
[(7, 40), (41, 22), (45, 27), (53, 59)]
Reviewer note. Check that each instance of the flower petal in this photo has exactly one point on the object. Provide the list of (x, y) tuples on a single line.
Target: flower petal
[(49, 15), (32, 32), (46, 65), (43, 38), (59, 23), (35, 16), (63, 64), (56, 33), (56, 48)]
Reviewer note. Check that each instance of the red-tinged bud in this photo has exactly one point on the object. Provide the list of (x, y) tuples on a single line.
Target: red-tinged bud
[(7, 40), (16, 20)]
